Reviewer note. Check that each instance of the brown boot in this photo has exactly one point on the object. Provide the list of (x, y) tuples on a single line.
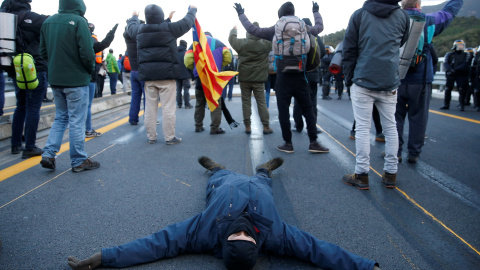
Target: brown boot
[(248, 129), (359, 181), (267, 129), (389, 180)]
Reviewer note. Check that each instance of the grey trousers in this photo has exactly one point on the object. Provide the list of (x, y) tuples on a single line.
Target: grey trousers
[(259, 93), (216, 115)]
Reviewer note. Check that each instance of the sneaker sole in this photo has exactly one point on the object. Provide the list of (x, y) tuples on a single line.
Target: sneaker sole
[(286, 151), (172, 143), (354, 185), (318, 151)]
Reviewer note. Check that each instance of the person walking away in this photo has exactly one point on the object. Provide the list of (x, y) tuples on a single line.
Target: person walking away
[(415, 90), (183, 81), (252, 75), (98, 48), (476, 79), (120, 75), (27, 111), (456, 66), (159, 67), (222, 57), (112, 71), (365, 54), (66, 44), (290, 84), (329, 51)]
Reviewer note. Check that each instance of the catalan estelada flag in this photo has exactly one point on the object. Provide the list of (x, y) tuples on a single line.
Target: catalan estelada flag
[(213, 81)]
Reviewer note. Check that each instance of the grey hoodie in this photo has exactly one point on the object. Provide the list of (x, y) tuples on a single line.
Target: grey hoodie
[(371, 45)]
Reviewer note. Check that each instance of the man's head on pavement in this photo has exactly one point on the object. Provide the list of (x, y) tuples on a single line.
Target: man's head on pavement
[(240, 249), (286, 9), (154, 14), (411, 4)]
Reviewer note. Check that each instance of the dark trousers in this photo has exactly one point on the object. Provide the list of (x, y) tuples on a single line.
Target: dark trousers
[(295, 85), (414, 100), (27, 113), (339, 84), (2, 92), (297, 110), (326, 83), (376, 121), (137, 92), (183, 84), (462, 84), (100, 84), (201, 102), (113, 82), (228, 92)]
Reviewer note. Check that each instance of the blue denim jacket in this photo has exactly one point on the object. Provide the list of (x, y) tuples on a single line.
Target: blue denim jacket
[(228, 195)]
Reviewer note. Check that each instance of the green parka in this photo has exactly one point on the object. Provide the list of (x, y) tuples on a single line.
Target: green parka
[(252, 57), (66, 43)]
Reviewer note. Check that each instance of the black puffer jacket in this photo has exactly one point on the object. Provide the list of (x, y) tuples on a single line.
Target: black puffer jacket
[(185, 73), (30, 30), (157, 44)]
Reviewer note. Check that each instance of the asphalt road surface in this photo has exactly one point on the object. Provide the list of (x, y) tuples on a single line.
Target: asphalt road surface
[(431, 221)]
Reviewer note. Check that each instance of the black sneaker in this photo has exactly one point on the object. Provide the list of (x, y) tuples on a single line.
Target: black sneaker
[(48, 163), (412, 159), (209, 164), (444, 107), (87, 164), (316, 147), (32, 153), (287, 148), (199, 129), (173, 141), (217, 131), (188, 106), (17, 149), (134, 123), (359, 181), (271, 165), (92, 134)]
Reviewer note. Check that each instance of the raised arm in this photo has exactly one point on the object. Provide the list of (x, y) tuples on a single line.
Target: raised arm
[(318, 27), (184, 25), (264, 33), (445, 16), (105, 43)]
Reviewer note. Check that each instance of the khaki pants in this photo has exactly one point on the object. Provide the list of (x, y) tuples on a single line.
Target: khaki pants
[(201, 102), (258, 90), (167, 90)]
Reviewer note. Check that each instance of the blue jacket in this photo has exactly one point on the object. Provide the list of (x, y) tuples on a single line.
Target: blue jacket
[(228, 195), (435, 23)]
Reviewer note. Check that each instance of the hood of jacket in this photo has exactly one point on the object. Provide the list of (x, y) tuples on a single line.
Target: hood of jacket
[(154, 14), (381, 8), (252, 37), (15, 5), (286, 9), (72, 6)]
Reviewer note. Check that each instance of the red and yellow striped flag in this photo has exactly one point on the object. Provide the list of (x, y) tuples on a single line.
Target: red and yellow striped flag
[(213, 81)]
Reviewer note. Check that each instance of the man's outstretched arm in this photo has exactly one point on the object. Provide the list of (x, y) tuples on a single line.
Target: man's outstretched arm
[(264, 33)]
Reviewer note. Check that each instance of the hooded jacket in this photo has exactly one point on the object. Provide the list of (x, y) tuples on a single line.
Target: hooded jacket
[(66, 43), (157, 44), (184, 72), (435, 23), (371, 46), (29, 29), (252, 57), (229, 195)]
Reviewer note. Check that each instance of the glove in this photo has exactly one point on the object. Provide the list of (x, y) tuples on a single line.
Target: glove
[(315, 7), (90, 263), (239, 9), (114, 28)]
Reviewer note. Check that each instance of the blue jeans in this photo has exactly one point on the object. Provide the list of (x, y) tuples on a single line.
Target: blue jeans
[(230, 89), (113, 82), (91, 93), (2, 92), (71, 110), (27, 113), (137, 91)]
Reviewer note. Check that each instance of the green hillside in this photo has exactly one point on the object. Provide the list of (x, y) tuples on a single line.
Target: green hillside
[(464, 28)]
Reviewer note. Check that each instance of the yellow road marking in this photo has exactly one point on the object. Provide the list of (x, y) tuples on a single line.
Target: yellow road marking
[(410, 199), (10, 113), (456, 117)]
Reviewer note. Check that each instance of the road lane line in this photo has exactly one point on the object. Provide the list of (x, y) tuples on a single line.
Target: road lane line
[(412, 200), (55, 177), (456, 117)]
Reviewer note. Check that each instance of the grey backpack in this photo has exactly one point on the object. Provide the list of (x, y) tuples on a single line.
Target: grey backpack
[(290, 44)]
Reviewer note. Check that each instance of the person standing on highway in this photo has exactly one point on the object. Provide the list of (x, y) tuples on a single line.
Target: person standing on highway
[(252, 75), (476, 79), (183, 80), (112, 71), (126, 70), (457, 67), (2, 90), (326, 75), (234, 228), (27, 111), (415, 90), (66, 43), (371, 63), (290, 84), (159, 67)]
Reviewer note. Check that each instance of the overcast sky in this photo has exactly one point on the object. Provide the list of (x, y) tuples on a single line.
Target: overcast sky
[(215, 16)]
